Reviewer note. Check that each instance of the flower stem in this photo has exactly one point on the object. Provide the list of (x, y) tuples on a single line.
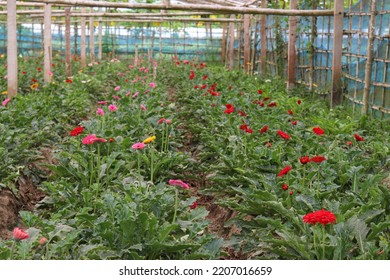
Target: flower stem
[(151, 163), (12, 250), (167, 136), (139, 165), (163, 140), (176, 204), (323, 242), (91, 168)]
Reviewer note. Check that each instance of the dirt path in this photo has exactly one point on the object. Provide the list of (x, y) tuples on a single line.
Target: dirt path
[(218, 216)]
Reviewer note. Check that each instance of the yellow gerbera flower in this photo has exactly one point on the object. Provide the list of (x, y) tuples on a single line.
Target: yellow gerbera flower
[(149, 139), (34, 86), (4, 93)]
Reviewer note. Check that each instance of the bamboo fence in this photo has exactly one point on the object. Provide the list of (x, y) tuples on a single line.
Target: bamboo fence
[(304, 44)]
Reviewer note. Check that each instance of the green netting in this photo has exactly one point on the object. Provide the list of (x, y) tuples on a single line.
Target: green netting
[(187, 43)]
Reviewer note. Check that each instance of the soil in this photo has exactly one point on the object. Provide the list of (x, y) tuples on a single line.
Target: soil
[(27, 196), (9, 209), (218, 216)]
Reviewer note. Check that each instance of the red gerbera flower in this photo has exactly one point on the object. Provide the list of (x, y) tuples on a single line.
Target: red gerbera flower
[(283, 134), (318, 130), (264, 129), (20, 234), (243, 127), (78, 130), (294, 122), (290, 112), (285, 187), (322, 216), (259, 91), (318, 159), (284, 171), (349, 143), (358, 137), (272, 104), (192, 75), (261, 104), (304, 159), (229, 109), (241, 113), (194, 205), (205, 77)]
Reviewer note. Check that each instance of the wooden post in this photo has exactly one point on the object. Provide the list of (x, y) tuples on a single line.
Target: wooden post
[(68, 53), (223, 43), (338, 26), (152, 49), (263, 34), (83, 45), (47, 43), (12, 50), (240, 28), (292, 55), (76, 35), (247, 43), (312, 48), (231, 44), (91, 39), (370, 57), (160, 45), (100, 38), (253, 53), (136, 56)]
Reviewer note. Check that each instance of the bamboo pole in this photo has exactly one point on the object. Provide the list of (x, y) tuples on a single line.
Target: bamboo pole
[(160, 44), (292, 54), (190, 7), (231, 44), (136, 56), (75, 30), (312, 48), (253, 53), (22, 4), (33, 12), (91, 40), (239, 30), (47, 44), (247, 43), (370, 57), (83, 53), (223, 43), (263, 35), (68, 53), (100, 38), (337, 52), (12, 50)]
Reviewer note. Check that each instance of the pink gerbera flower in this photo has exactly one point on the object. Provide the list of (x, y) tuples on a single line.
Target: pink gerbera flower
[(179, 183)]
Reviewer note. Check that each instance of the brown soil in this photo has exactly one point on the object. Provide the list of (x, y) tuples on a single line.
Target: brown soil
[(9, 209), (27, 196), (218, 216)]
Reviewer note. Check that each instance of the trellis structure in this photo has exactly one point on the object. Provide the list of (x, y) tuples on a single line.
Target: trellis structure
[(312, 49)]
